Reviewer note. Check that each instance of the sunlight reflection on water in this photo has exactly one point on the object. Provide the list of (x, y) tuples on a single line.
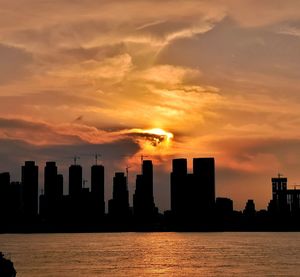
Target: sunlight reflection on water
[(154, 254)]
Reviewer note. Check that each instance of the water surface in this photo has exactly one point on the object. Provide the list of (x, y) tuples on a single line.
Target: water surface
[(154, 254)]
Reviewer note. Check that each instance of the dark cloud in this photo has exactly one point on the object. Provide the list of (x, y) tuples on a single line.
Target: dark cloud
[(13, 153), (8, 123), (154, 139), (34, 132)]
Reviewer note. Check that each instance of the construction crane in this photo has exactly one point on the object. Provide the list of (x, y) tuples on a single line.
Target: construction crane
[(95, 155), (141, 157)]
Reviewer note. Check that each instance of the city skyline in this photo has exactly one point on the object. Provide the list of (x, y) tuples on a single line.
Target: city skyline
[(49, 181), (194, 203), (161, 176), (156, 78)]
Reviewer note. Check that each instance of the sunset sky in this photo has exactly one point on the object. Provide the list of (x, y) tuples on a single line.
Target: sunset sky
[(221, 78)]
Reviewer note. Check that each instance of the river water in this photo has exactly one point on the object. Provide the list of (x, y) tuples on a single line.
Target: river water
[(154, 254)]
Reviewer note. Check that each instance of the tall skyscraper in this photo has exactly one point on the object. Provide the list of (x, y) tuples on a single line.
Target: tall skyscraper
[(50, 202), (179, 188), (97, 190), (60, 185), (143, 200), (118, 206), (204, 184), (30, 175), (193, 195), (75, 180), (15, 201), (50, 180)]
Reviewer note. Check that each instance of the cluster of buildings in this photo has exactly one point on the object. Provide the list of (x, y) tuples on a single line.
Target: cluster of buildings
[(19, 201), (193, 202), (285, 202)]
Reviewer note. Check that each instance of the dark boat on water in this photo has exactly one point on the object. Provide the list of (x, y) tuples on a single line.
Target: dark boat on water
[(6, 267)]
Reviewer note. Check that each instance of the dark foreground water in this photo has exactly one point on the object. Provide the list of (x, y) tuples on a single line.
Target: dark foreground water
[(154, 254)]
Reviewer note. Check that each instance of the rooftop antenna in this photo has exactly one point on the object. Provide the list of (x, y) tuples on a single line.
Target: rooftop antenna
[(280, 175), (96, 158), (142, 159), (75, 159), (127, 174)]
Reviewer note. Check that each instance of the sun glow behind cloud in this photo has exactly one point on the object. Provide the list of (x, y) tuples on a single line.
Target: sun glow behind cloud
[(155, 141)]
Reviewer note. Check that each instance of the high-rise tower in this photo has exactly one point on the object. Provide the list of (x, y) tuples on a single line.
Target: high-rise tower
[(179, 188), (118, 206), (30, 177), (97, 190), (143, 199), (204, 184), (50, 180), (75, 180)]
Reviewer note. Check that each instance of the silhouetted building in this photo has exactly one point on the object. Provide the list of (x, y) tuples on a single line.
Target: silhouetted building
[(284, 201), (118, 206), (204, 188), (179, 188), (15, 199), (279, 196), (30, 189), (193, 195), (75, 180), (143, 200), (224, 213), (249, 208), (50, 179), (50, 202), (193, 203), (60, 185), (224, 206), (85, 205), (4, 196), (97, 190), (4, 180)]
